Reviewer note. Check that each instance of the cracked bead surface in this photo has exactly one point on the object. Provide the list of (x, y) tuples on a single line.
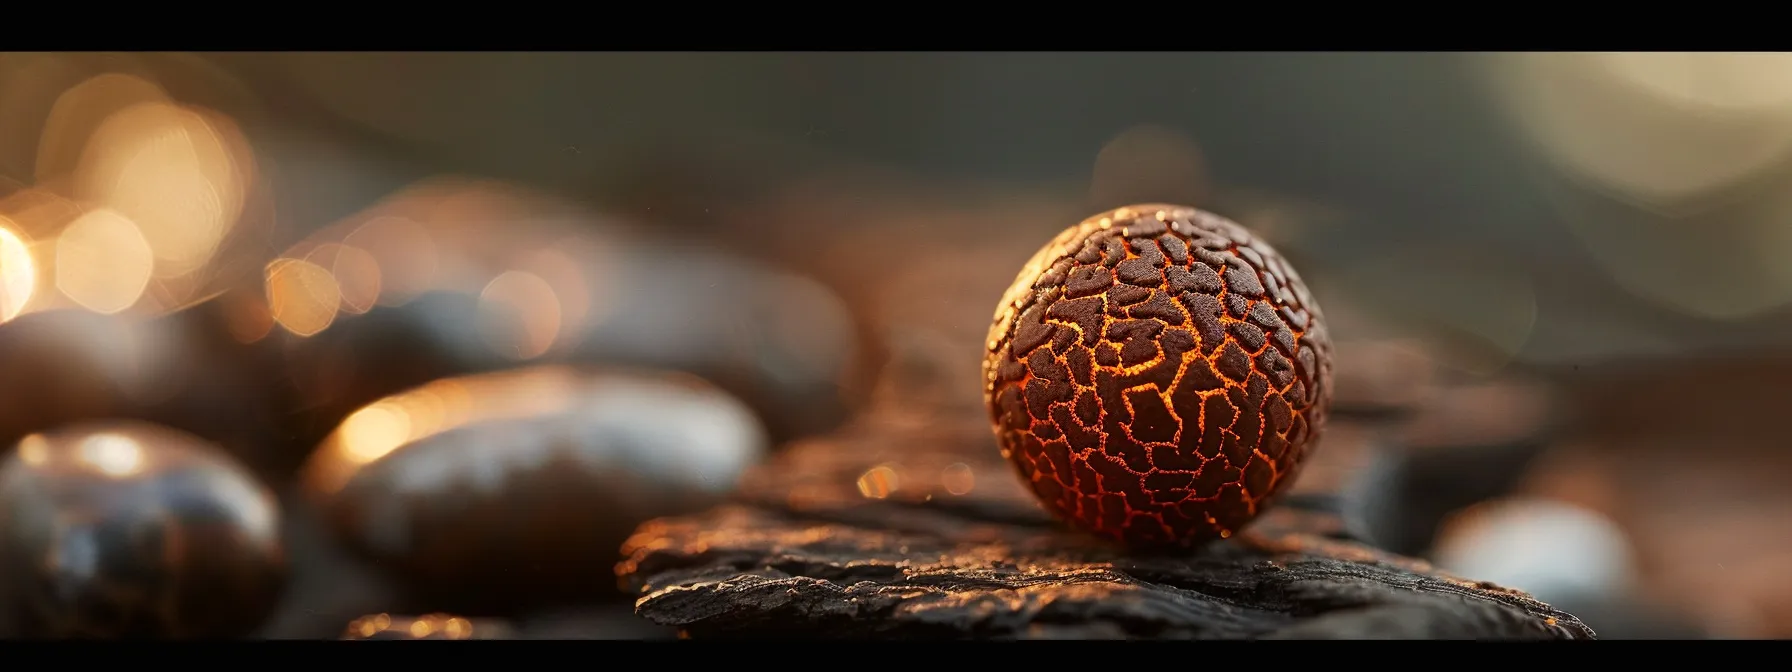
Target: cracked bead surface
[(1156, 374), (128, 530)]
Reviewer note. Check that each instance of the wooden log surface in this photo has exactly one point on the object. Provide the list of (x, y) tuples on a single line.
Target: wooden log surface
[(893, 528)]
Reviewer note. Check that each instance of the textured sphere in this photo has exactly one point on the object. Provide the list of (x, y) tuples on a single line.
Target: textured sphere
[(1156, 374), (125, 529)]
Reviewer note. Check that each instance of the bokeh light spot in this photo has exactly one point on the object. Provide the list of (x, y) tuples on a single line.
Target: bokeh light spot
[(79, 111), (114, 455), (103, 262), (519, 315), (18, 273), (879, 482), (169, 171), (357, 274), (302, 296)]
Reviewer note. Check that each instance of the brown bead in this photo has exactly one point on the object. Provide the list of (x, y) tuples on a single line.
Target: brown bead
[(1157, 374), (126, 529), (526, 292), (509, 490)]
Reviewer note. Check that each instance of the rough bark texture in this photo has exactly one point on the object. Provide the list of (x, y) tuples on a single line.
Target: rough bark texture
[(861, 534)]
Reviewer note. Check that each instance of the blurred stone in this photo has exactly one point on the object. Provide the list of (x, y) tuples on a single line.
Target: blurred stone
[(1402, 496), (921, 264), (328, 585), (484, 288), (492, 493), (127, 529), (365, 357), (1572, 556), (888, 531), (1553, 550), (786, 345), (71, 366), (1709, 521), (1677, 451), (1464, 443)]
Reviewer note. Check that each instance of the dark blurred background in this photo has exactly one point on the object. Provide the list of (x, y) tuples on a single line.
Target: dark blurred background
[(1614, 228)]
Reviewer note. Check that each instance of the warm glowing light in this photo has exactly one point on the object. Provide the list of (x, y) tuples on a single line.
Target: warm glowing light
[(69, 129), (372, 432), (520, 315), (169, 171), (458, 628), (1663, 129), (516, 394), (38, 214), (422, 627), (18, 273), (102, 262), (34, 450), (1713, 79), (404, 252), (357, 274), (302, 297), (114, 455), (368, 626), (430, 409), (879, 482), (958, 478), (386, 425)]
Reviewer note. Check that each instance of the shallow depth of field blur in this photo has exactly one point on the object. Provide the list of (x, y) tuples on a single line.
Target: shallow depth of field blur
[(1590, 251)]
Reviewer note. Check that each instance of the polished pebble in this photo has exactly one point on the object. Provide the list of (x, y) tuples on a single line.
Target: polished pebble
[(130, 530), (517, 488)]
